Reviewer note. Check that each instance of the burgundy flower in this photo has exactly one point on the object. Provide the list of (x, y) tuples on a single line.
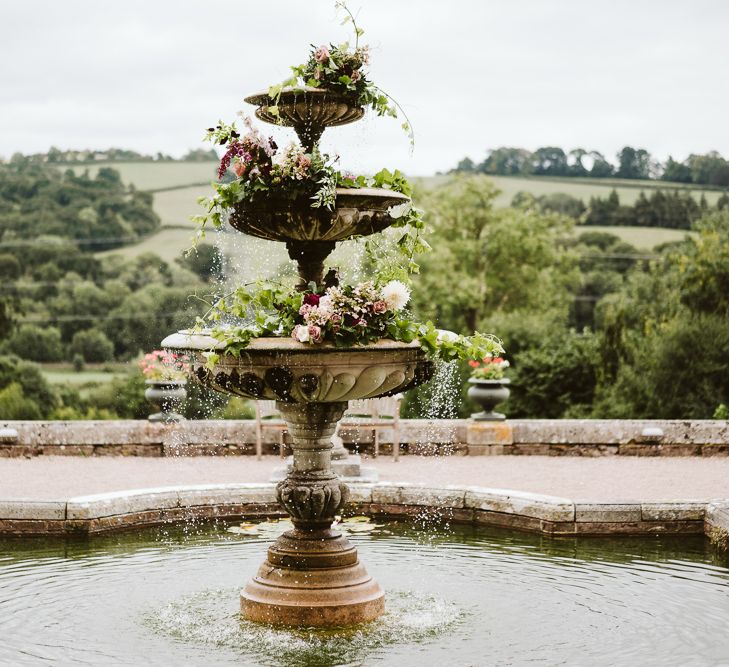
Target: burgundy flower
[(350, 320), (312, 299)]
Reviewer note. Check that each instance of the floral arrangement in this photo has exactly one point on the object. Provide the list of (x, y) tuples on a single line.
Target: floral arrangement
[(264, 172), (342, 315), (164, 365), (488, 368), (340, 68)]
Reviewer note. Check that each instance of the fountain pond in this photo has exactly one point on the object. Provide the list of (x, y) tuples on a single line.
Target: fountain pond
[(456, 595)]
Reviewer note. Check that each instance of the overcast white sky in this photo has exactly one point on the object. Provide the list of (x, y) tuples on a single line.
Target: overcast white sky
[(472, 74)]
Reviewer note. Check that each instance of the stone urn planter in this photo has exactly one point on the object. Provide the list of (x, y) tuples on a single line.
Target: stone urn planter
[(165, 395), (488, 394)]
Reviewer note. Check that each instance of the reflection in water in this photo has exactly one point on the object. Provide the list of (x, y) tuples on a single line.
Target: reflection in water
[(456, 595)]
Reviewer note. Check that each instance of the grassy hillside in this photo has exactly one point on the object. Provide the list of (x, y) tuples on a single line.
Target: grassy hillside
[(177, 186), (582, 188), (154, 175)]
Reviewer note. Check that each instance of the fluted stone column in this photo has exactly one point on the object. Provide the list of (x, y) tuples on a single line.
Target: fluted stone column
[(312, 576)]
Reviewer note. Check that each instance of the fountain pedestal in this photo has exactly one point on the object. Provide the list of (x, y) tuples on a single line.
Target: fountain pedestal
[(312, 576)]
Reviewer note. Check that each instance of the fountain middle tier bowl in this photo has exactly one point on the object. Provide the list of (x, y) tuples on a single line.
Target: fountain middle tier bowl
[(307, 107), (357, 212), (285, 370)]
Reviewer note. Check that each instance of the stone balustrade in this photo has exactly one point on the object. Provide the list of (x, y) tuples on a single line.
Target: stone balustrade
[(564, 437)]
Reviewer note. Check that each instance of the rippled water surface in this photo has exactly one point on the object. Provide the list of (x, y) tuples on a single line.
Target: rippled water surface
[(456, 596)]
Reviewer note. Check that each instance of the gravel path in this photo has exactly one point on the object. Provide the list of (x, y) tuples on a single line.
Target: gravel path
[(584, 479)]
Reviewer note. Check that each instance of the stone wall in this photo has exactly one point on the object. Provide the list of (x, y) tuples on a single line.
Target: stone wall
[(463, 437)]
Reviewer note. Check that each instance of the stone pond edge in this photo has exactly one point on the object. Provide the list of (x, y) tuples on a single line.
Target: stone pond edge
[(536, 513)]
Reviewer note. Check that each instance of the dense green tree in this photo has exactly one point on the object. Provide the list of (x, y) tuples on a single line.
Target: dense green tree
[(576, 166), (557, 378), (35, 389), (205, 261), (507, 162), (10, 268), (487, 259), (549, 161), (600, 168), (634, 163), (677, 172), (35, 343), (92, 345)]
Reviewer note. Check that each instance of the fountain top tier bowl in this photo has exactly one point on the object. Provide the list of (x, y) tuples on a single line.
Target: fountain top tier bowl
[(308, 110), (286, 370)]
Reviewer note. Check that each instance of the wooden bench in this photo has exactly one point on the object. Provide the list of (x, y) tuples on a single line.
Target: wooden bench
[(369, 413)]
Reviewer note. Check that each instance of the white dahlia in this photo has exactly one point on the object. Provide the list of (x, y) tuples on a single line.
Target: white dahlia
[(396, 295)]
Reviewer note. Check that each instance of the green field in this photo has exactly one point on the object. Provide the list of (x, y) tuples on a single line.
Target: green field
[(154, 175), (92, 373), (168, 243), (178, 185), (175, 207)]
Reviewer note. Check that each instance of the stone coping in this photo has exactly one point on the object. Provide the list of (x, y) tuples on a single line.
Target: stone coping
[(559, 437), (519, 510)]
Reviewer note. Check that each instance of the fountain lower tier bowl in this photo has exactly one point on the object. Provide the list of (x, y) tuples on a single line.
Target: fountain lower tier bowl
[(357, 212), (306, 107), (285, 370)]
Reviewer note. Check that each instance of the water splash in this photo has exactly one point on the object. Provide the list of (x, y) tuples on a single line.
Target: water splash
[(211, 618)]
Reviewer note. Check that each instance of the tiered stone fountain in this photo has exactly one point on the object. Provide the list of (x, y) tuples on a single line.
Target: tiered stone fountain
[(312, 576)]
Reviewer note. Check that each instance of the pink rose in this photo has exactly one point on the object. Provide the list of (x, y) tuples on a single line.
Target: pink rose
[(321, 55), (239, 168), (315, 333), (379, 307)]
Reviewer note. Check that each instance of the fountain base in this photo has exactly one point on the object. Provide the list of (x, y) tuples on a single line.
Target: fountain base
[(315, 579)]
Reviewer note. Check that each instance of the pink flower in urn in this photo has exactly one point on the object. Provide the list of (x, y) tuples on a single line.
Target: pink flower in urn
[(321, 55), (355, 76), (239, 168), (379, 307), (315, 333)]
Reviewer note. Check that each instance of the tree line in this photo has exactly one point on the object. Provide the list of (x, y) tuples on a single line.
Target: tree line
[(631, 163), (668, 209), (56, 155)]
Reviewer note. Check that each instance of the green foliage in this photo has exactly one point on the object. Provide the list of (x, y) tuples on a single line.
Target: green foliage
[(15, 405), (37, 396), (35, 343), (721, 412), (555, 379), (78, 362), (10, 268), (39, 199), (486, 259), (92, 345), (204, 260), (672, 210)]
